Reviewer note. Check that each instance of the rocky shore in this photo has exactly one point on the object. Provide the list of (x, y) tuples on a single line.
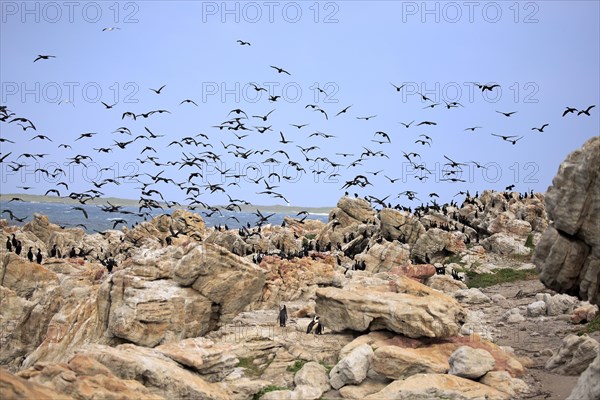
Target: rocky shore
[(189, 312)]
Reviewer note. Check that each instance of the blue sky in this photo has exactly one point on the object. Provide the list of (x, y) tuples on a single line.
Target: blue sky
[(544, 56)]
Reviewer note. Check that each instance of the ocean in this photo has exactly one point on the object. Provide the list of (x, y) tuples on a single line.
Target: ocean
[(98, 220)]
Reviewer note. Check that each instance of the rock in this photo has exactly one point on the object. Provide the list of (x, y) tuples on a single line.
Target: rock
[(585, 313), (588, 384), (419, 272), (385, 256), (397, 224), (359, 392), (503, 243), (157, 372), (353, 368), (348, 216), (557, 304), (395, 362), (498, 298), (14, 387), (84, 377), (568, 254), (502, 381), (436, 386), (445, 283), (211, 360), (436, 244), (403, 306), (313, 374), (471, 363), (536, 309), (515, 318), (574, 355), (471, 296)]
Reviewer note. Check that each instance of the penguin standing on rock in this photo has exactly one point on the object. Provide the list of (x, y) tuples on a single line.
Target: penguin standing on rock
[(283, 316), (315, 326)]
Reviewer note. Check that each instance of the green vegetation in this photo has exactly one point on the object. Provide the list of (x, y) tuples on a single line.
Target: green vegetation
[(310, 236), (296, 366), (327, 366), (267, 389), (456, 258), (250, 368), (592, 326), (501, 276), (529, 242)]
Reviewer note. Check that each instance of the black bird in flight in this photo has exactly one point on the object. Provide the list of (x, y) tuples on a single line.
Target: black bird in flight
[(299, 126), (398, 88), (280, 70), (426, 123), (107, 106), (344, 110), (406, 125), (85, 214), (540, 129), (472, 129), (189, 101), (283, 141), (157, 91), (504, 137), (569, 110), (242, 43), (586, 111), (263, 117), (42, 57), (367, 118), (506, 114)]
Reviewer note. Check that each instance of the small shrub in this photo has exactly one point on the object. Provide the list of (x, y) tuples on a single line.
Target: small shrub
[(310, 236), (327, 366), (529, 242), (592, 326)]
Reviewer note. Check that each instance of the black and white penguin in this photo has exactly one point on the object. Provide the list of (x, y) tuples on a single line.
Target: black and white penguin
[(30, 255), (283, 316), (315, 326), (38, 256)]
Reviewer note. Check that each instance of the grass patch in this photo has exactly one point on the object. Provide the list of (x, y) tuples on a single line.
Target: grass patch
[(529, 242), (327, 366), (267, 389), (456, 259), (248, 364), (592, 326), (296, 366), (501, 276), (310, 236)]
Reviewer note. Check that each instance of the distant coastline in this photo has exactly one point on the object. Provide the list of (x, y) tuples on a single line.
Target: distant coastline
[(33, 198)]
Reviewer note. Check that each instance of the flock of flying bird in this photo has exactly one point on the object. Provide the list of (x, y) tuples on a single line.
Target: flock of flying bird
[(202, 152)]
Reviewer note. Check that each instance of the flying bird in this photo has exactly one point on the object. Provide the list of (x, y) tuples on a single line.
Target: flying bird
[(506, 114), (540, 129), (344, 110), (242, 43), (280, 70), (586, 111), (42, 57), (157, 91)]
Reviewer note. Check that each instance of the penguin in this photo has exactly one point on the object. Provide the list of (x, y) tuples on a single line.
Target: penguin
[(440, 270), (312, 324), (38, 256), (8, 244), (30, 255), (283, 316), (18, 247)]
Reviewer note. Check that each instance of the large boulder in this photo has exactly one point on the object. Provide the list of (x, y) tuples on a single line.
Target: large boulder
[(313, 374), (568, 254), (588, 384), (402, 225), (401, 305), (471, 363), (437, 386), (437, 244), (574, 355), (399, 363), (352, 369)]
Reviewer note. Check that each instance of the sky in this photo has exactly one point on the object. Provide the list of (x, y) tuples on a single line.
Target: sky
[(544, 55)]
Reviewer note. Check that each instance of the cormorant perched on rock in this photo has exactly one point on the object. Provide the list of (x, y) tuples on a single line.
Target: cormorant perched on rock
[(283, 316), (8, 244), (30, 255), (54, 252), (110, 264), (18, 247), (38, 256), (14, 241), (72, 253)]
